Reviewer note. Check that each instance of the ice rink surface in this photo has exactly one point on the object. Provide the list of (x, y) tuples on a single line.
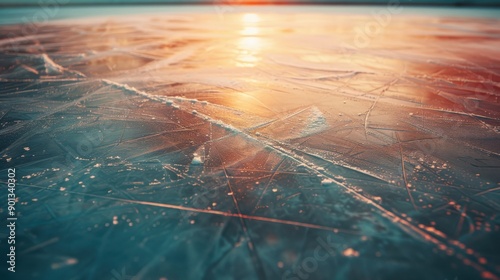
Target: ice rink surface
[(228, 144)]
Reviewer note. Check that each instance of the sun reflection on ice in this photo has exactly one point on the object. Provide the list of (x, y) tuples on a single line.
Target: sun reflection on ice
[(250, 18), (250, 44)]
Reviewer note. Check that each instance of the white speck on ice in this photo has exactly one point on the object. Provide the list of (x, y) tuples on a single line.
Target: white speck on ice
[(349, 252), (326, 182), (197, 160)]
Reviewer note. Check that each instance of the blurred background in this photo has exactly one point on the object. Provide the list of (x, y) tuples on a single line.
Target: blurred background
[(261, 2)]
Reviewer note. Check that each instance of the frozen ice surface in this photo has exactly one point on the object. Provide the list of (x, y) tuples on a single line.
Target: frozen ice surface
[(254, 146)]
